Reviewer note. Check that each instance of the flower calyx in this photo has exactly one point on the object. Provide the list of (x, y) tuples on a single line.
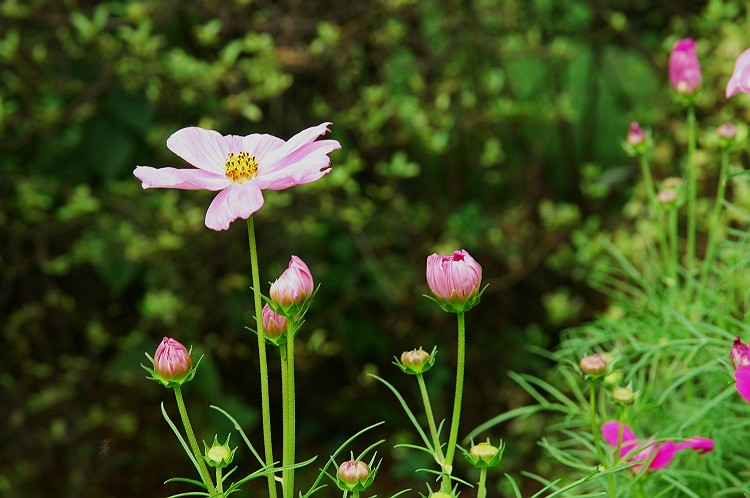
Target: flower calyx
[(416, 361), (171, 365), (484, 455), (218, 455)]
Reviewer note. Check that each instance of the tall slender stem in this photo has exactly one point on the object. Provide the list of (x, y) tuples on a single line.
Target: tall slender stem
[(611, 490), (674, 246), (289, 411), (193, 442), (653, 203), (460, 360), (482, 485), (715, 217), (285, 491), (430, 419), (219, 481), (264, 395), (692, 193)]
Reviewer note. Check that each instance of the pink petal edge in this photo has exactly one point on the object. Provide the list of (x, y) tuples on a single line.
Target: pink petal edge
[(204, 149), (610, 432), (235, 201), (742, 377), (184, 179)]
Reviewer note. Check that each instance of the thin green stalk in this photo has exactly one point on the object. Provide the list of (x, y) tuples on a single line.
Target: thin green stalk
[(285, 491), (193, 442), (674, 246), (430, 419), (219, 483), (289, 415), (653, 203), (692, 193), (264, 395), (595, 432), (460, 360), (619, 436), (715, 217), (637, 489), (482, 486)]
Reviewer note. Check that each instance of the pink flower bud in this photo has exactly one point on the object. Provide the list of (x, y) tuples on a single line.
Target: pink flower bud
[(353, 472), (740, 80), (727, 131), (415, 359), (684, 68), (636, 135), (739, 353), (593, 364), (172, 360), (667, 197), (273, 324), (454, 279), (294, 286)]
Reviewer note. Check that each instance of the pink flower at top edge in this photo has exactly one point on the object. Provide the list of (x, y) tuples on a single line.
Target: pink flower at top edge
[(659, 454), (239, 168), (740, 80), (684, 68)]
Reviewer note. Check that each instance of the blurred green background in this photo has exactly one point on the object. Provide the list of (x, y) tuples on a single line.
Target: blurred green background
[(493, 126)]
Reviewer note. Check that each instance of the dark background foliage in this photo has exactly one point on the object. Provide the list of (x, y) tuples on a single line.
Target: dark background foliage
[(492, 126)]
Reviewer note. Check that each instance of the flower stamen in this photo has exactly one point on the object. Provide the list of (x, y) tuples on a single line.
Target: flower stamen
[(240, 167)]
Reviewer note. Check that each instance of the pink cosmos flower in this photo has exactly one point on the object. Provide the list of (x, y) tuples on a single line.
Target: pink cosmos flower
[(658, 454), (739, 356), (240, 167), (684, 68), (172, 360), (290, 291), (454, 280), (740, 80)]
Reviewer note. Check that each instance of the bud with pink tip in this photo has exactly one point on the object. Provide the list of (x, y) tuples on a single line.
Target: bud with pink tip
[(636, 135), (454, 280), (416, 361), (274, 325), (593, 365), (291, 292), (172, 364), (727, 134), (355, 475), (684, 68)]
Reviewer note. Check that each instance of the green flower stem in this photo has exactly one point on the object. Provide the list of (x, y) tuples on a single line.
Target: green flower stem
[(595, 432), (692, 194), (653, 203), (264, 395), (715, 217), (637, 489), (619, 435), (219, 483), (193, 442), (482, 486), (674, 243), (289, 416), (460, 360), (355, 494), (285, 491), (431, 420)]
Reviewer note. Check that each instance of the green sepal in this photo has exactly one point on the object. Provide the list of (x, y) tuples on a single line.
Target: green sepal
[(428, 364), (459, 307), (485, 461), (224, 459)]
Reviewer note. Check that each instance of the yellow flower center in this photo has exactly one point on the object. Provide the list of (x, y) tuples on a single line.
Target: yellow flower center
[(240, 167)]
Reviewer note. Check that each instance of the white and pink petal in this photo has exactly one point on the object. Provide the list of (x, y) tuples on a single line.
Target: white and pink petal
[(204, 149), (185, 179), (239, 200)]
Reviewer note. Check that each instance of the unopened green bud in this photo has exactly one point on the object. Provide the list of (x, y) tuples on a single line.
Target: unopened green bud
[(623, 395), (218, 455), (483, 455), (441, 494), (416, 361)]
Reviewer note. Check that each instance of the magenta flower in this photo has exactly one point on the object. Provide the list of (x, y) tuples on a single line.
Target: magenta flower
[(454, 280), (291, 291), (172, 360), (684, 68), (659, 455), (636, 135), (740, 80), (240, 167), (739, 356)]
